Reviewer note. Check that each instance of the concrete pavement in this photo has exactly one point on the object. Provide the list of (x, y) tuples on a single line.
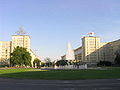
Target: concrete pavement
[(25, 84)]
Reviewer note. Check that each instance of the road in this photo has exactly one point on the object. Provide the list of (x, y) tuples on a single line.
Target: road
[(25, 84)]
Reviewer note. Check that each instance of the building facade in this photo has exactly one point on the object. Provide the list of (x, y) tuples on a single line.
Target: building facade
[(5, 50), (110, 50), (20, 40), (78, 53), (93, 50), (90, 46), (7, 47)]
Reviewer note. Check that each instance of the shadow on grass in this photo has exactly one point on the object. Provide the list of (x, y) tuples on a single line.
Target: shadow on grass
[(64, 74)]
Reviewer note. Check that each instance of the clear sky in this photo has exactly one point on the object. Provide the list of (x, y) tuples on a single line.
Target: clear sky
[(53, 23)]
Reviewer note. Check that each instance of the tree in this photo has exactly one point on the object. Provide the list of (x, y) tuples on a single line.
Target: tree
[(42, 64), (36, 62), (104, 63), (20, 57), (48, 62), (117, 59), (61, 63)]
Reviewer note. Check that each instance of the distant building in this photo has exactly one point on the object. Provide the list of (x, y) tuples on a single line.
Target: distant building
[(4, 52), (93, 50), (63, 57), (21, 40), (78, 53), (110, 49)]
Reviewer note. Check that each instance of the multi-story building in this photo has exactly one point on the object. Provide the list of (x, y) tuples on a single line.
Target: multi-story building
[(110, 50), (63, 57), (90, 46), (93, 50), (33, 55), (17, 40), (20, 40), (4, 52), (78, 53), (102, 52)]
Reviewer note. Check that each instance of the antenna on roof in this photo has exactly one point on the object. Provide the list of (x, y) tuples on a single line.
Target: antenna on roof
[(20, 31)]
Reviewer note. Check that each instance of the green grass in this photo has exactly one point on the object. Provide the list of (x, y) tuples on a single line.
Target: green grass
[(61, 74)]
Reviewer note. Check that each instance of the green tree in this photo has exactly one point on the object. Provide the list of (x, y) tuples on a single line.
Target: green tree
[(61, 63), (20, 57), (48, 62), (36, 62)]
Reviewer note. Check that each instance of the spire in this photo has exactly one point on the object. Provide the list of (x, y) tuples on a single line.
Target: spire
[(70, 52), (20, 31)]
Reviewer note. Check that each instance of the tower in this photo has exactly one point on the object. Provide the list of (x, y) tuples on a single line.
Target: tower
[(90, 45), (20, 39)]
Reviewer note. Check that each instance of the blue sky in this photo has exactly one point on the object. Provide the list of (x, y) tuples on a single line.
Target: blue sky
[(53, 23)]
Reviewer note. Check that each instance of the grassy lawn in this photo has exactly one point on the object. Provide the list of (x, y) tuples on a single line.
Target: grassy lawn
[(61, 74)]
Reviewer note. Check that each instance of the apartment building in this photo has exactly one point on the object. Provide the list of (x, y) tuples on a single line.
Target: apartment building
[(23, 41), (78, 53), (4, 52), (90, 47), (93, 50), (20, 40), (111, 49), (7, 47)]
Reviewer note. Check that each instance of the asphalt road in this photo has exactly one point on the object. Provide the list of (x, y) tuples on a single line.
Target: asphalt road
[(24, 84)]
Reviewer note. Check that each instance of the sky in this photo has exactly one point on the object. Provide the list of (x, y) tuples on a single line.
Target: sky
[(51, 24)]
